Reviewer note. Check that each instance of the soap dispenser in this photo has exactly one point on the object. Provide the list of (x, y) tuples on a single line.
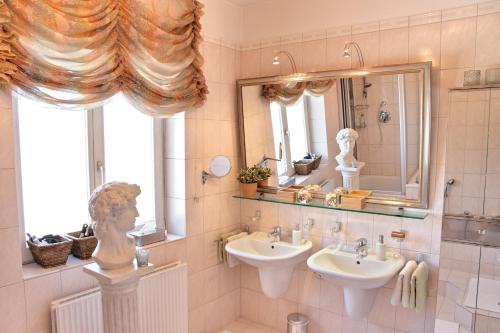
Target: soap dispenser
[(380, 248), (296, 235)]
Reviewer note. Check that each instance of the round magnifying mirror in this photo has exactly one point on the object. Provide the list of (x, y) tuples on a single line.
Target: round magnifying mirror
[(220, 166)]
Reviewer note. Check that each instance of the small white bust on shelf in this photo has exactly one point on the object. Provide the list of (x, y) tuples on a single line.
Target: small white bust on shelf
[(113, 207), (346, 139)]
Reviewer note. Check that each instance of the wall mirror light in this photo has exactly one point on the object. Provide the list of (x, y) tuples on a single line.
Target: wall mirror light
[(300, 114), (219, 167)]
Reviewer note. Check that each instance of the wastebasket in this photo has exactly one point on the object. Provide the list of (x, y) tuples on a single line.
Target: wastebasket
[(297, 323)]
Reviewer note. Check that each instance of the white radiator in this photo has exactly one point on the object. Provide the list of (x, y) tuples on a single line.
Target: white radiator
[(162, 303)]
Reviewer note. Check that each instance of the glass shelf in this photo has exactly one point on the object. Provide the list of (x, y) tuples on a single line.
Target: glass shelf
[(369, 209)]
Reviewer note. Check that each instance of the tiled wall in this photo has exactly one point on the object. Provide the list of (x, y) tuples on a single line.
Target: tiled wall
[(12, 301), (214, 297), (454, 40), (378, 143), (473, 153), (260, 140), (321, 299), (201, 212), (459, 264)]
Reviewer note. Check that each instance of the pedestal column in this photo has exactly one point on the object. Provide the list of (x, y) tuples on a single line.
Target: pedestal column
[(119, 296), (350, 176), (119, 306)]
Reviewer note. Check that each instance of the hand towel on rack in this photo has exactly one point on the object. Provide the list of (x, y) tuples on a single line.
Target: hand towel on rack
[(401, 292), (221, 244), (232, 261), (418, 287)]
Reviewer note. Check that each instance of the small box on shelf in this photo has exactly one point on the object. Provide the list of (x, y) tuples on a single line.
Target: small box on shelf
[(356, 199)]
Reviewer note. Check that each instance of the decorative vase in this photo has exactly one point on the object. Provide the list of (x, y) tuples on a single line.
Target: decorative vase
[(248, 190), (263, 183)]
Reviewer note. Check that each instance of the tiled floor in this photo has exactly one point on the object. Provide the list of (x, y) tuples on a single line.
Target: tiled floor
[(245, 326)]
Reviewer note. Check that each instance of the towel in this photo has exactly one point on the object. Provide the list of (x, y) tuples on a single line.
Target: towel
[(221, 245), (401, 292), (418, 287), (229, 259)]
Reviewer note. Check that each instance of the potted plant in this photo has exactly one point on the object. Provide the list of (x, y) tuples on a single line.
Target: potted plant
[(248, 179), (263, 173)]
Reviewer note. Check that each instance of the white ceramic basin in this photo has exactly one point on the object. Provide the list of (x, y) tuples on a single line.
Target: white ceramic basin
[(359, 277), (275, 261)]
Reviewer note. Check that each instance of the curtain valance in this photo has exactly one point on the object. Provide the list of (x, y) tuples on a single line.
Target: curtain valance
[(75, 53), (289, 93)]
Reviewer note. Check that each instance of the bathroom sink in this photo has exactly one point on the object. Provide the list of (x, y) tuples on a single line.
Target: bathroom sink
[(348, 271), (360, 277), (274, 260)]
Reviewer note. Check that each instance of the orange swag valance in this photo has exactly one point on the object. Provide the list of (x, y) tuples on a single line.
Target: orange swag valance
[(79, 53), (289, 93)]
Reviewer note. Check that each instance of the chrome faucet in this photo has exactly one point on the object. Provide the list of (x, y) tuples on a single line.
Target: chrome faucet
[(361, 248), (275, 234)]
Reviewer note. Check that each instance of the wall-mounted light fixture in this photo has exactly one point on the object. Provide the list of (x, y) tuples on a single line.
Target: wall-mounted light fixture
[(347, 52), (276, 60)]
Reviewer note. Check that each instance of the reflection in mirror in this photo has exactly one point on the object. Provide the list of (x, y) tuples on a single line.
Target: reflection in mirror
[(298, 122), (385, 111), (389, 109)]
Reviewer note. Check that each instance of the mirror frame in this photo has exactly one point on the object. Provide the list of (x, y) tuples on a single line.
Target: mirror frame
[(425, 118)]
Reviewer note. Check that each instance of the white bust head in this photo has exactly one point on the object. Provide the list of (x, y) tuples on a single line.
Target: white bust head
[(346, 139), (113, 207)]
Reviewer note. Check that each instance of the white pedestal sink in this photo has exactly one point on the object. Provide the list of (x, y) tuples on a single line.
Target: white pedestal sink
[(359, 277), (275, 261)]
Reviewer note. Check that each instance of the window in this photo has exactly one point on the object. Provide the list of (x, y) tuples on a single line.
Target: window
[(291, 128), (65, 154)]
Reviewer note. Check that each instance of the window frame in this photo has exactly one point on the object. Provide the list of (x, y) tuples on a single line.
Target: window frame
[(290, 170), (95, 151)]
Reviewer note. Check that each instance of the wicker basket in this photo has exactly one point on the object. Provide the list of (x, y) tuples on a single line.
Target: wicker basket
[(82, 247), (51, 254), (303, 167), (316, 162)]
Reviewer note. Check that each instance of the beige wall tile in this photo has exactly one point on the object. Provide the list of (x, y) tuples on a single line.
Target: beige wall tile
[(425, 43), (335, 53), (266, 61), (487, 49), (229, 63), (394, 46), (196, 321), (250, 305), (213, 317), (6, 139), (39, 293), (316, 55), (458, 38), (250, 63), (75, 280), (369, 44), (296, 51), (10, 254), (212, 65), (8, 199), (12, 308)]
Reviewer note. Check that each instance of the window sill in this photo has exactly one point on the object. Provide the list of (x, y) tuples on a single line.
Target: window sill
[(33, 270)]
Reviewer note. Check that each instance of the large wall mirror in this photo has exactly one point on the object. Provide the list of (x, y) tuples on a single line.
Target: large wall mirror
[(286, 118)]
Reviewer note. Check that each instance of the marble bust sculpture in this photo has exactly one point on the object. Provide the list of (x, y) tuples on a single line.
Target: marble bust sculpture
[(346, 139), (113, 208)]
